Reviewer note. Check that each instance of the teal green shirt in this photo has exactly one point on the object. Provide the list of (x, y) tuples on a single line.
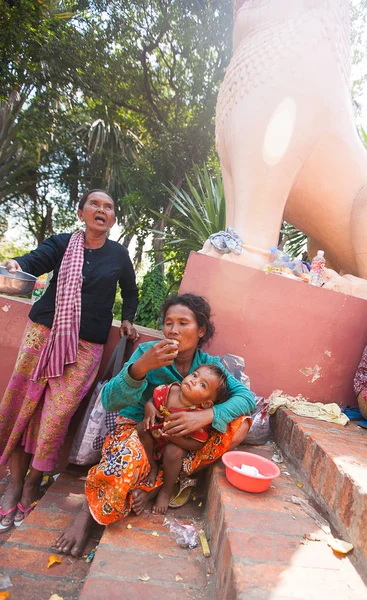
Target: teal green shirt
[(129, 396)]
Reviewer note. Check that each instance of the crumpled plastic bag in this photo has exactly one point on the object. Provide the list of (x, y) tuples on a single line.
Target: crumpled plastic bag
[(226, 241), (260, 432), (235, 365), (185, 534), (300, 406)]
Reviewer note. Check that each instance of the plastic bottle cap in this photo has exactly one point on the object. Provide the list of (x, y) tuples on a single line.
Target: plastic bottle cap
[(320, 253)]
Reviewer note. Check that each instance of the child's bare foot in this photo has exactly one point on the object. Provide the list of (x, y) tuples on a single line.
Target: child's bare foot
[(152, 475), (162, 502), (141, 498)]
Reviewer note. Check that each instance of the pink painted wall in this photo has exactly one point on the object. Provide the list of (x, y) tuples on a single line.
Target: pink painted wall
[(13, 318), (281, 326)]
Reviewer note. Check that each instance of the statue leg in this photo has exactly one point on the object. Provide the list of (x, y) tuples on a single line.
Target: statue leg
[(359, 230), (262, 158)]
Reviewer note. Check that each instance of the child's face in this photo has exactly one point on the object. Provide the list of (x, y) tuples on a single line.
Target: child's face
[(200, 387)]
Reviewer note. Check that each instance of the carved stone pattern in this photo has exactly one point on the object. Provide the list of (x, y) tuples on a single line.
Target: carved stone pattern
[(260, 52)]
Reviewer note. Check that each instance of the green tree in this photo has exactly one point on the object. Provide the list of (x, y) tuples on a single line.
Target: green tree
[(152, 293)]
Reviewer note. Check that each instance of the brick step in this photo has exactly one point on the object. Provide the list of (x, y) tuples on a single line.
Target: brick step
[(331, 462), (25, 553), (126, 554), (259, 549)]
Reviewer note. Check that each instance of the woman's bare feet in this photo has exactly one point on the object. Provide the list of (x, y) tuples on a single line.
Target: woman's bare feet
[(75, 537), (141, 498), (10, 499), (162, 502), (30, 495)]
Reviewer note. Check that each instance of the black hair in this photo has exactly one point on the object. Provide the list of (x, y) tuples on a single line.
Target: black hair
[(199, 307), (222, 390), (84, 198)]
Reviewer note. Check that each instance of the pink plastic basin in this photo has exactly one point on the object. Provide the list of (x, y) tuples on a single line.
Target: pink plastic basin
[(246, 482)]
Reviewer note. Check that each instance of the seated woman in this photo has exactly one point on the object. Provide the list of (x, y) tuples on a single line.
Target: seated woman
[(360, 384), (118, 484)]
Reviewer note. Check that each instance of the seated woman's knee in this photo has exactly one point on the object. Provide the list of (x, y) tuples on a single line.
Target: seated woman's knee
[(240, 435)]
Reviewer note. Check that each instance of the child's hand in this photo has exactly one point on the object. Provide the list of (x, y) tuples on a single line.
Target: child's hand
[(150, 414)]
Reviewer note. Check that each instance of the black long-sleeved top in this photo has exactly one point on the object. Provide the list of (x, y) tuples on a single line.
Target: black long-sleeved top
[(102, 269)]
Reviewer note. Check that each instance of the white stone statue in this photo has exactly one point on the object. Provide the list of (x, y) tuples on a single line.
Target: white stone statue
[(286, 136)]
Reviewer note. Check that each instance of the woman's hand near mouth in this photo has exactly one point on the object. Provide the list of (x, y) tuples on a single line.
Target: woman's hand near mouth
[(161, 354)]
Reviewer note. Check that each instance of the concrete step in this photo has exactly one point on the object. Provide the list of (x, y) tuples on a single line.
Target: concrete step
[(24, 555), (147, 549), (259, 546), (331, 462)]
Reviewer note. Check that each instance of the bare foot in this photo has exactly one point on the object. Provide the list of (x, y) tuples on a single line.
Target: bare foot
[(152, 475), (75, 537), (162, 502), (141, 499), (11, 497)]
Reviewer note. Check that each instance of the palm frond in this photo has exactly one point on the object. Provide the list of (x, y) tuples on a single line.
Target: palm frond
[(201, 211)]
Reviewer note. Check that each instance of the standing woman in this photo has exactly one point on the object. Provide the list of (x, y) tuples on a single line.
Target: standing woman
[(61, 347)]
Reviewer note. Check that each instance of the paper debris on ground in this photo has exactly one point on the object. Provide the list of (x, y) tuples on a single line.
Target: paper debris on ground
[(129, 526), (5, 582), (144, 577), (155, 533), (300, 406), (178, 577), (277, 456), (52, 559), (55, 597), (339, 546)]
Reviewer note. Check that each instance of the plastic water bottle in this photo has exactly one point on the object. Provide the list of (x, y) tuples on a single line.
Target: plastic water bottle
[(317, 269)]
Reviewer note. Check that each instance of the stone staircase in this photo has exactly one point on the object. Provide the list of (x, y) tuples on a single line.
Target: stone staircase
[(259, 542)]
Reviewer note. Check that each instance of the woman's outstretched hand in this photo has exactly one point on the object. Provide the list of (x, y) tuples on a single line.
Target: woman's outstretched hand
[(12, 266), (184, 423)]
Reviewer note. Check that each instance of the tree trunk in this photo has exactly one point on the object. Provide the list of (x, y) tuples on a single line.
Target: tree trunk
[(158, 239)]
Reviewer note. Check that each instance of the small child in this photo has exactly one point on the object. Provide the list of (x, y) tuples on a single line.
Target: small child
[(202, 388)]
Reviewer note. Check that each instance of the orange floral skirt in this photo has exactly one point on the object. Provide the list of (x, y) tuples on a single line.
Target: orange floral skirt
[(124, 467)]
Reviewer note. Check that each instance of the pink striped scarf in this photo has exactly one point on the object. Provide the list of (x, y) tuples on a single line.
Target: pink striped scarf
[(62, 344)]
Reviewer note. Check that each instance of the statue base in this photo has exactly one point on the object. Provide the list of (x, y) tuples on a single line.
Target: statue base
[(293, 336)]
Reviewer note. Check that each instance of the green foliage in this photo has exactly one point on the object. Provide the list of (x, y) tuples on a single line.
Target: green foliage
[(200, 210), (295, 241), (152, 293), (10, 249), (117, 307), (122, 95)]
